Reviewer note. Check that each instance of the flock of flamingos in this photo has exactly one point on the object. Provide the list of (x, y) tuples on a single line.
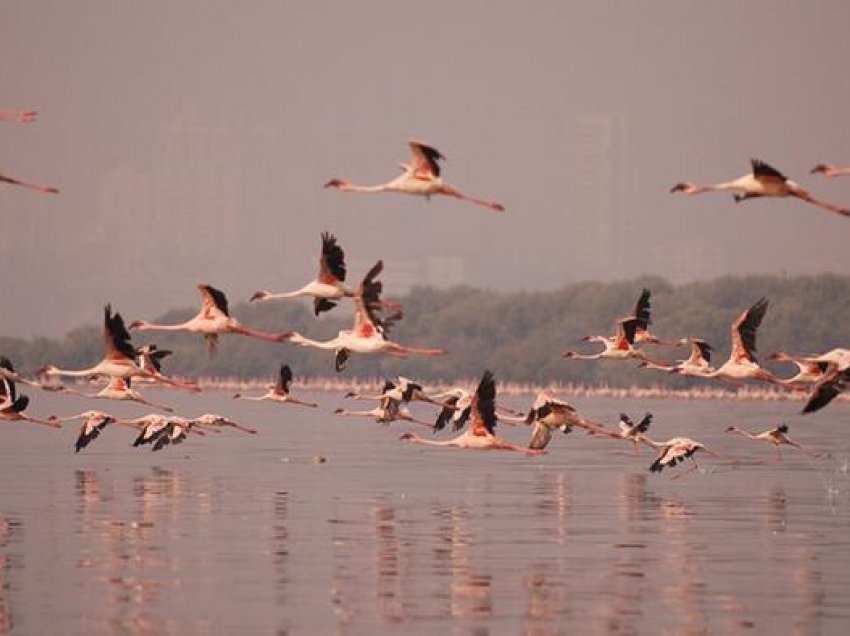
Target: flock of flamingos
[(825, 375)]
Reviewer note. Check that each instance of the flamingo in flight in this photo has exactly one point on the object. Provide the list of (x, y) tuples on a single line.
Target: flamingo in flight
[(369, 333), (549, 414), (481, 433), (675, 450), (831, 386), (328, 287), (827, 170), (634, 432), (617, 348), (763, 181), (12, 405), (213, 320), (4, 178), (420, 177), (119, 360), (93, 424), (19, 116), (279, 392), (120, 389), (457, 409), (404, 390), (217, 422), (698, 363), (642, 315), (390, 409), (809, 371), (776, 436), (742, 363)]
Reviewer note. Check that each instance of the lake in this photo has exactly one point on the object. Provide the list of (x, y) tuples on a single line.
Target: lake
[(248, 534)]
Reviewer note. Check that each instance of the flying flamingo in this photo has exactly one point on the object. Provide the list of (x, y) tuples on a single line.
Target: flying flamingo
[(20, 116), (369, 334), (217, 422), (32, 186), (481, 433), (175, 432), (420, 177), (213, 319), (93, 424), (828, 170), (776, 436), (328, 287), (280, 391), (549, 414), (742, 363), (629, 430), (390, 409), (457, 409), (617, 348), (808, 371), (12, 405), (404, 390), (698, 363), (119, 361), (764, 181), (120, 389), (676, 450)]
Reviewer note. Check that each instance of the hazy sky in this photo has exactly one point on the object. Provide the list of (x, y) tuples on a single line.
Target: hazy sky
[(191, 140)]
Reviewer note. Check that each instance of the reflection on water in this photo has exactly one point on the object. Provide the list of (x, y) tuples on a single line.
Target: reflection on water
[(226, 538)]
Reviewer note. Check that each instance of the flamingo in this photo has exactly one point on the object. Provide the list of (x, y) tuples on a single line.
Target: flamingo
[(280, 391), (390, 409), (19, 116), (776, 436), (149, 426), (213, 319), (174, 432), (328, 287), (629, 430), (120, 389), (480, 435), (457, 409), (827, 170), (217, 422), (420, 177), (405, 390), (764, 181), (808, 371), (93, 424), (119, 361), (676, 450), (697, 364), (742, 363), (617, 348), (369, 334), (12, 405), (549, 414), (32, 186)]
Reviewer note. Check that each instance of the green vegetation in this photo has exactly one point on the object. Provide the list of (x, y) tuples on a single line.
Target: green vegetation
[(521, 336)]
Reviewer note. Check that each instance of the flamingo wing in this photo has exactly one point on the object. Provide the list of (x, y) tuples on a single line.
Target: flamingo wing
[(332, 261), (213, 300), (642, 310), (116, 338), (744, 330), (284, 379), (484, 406), (761, 170), (540, 437), (424, 159)]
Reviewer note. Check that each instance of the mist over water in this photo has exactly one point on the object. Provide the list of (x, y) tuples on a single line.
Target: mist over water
[(232, 533)]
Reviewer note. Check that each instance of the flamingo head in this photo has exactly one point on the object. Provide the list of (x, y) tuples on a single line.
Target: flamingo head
[(731, 429), (138, 324), (336, 183), (569, 355), (684, 186), (407, 436), (823, 169), (259, 295), (337, 411)]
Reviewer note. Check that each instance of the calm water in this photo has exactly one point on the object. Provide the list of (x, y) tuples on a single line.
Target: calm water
[(239, 534)]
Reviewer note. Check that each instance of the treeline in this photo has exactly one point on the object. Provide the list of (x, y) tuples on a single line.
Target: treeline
[(521, 336)]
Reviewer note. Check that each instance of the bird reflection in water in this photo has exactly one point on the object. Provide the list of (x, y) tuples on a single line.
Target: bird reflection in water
[(392, 563), (280, 544), (8, 530), (552, 494), (776, 513)]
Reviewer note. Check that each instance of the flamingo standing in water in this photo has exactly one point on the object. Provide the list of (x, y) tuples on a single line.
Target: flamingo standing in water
[(369, 334), (481, 433), (420, 177), (279, 392), (776, 436), (827, 170), (12, 405), (213, 320), (742, 363), (328, 287), (119, 361), (764, 181)]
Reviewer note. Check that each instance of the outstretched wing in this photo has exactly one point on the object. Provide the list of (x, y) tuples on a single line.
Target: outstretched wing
[(827, 390), (744, 331), (425, 159), (762, 170), (116, 338), (213, 299), (284, 379), (484, 405), (446, 413), (642, 311), (332, 260), (540, 437), (368, 304)]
